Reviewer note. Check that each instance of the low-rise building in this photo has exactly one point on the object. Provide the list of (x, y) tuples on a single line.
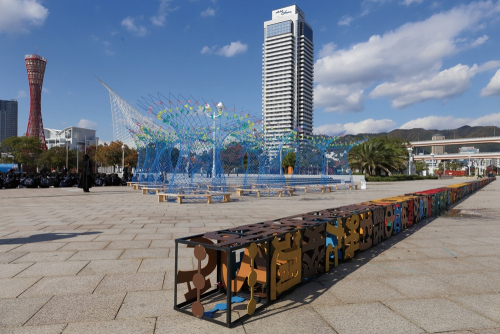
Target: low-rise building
[(76, 137)]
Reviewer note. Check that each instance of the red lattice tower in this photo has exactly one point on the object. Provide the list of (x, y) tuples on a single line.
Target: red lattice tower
[(35, 65)]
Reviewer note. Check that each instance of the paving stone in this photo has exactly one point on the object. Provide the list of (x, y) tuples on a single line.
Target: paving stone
[(471, 282), (420, 286), (181, 323), (104, 254), (131, 282), (49, 329), (53, 269), (134, 244), (80, 245), (145, 253), (146, 304), (15, 312), (487, 305), (111, 267), (65, 285), (12, 269), (364, 290), (365, 318), (439, 315), (39, 247), (59, 256), (78, 308), (13, 287), (135, 326)]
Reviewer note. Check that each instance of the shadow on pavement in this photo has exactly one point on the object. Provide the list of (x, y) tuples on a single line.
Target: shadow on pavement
[(43, 237)]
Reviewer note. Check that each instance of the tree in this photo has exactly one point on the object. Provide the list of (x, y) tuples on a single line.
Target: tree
[(112, 154), (420, 166), (289, 160), (56, 157), (379, 154), (24, 150)]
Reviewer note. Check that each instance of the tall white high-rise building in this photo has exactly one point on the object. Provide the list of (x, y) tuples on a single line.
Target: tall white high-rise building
[(287, 73)]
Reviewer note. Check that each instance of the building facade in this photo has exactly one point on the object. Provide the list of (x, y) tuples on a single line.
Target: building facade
[(76, 137), (8, 119), (287, 74), (438, 150)]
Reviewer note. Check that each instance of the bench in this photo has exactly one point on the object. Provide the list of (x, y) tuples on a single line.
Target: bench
[(350, 187), (323, 188), (156, 189), (226, 197), (280, 191), (130, 184)]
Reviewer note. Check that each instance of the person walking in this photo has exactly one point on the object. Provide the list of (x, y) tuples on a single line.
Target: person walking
[(86, 179)]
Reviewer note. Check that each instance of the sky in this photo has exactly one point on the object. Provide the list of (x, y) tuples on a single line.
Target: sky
[(379, 64)]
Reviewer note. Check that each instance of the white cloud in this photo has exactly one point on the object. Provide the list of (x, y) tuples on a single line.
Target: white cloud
[(19, 15), (107, 45), (450, 122), (367, 126), (479, 41), (326, 49), (345, 20), (129, 24), (339, 98), (160, 18), (493, 87), (208, 12), (45, 90), (86, 124), (412, 53), (409, 2), (441, 86), (227, 51), (21, 94)]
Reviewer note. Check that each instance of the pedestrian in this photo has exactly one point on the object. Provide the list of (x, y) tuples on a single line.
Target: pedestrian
[(86, 177)]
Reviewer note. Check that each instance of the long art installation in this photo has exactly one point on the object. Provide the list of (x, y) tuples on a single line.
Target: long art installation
[(192, 146), (254, 264)]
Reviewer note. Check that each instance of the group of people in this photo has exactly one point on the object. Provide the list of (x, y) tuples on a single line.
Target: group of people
[(45, 179)]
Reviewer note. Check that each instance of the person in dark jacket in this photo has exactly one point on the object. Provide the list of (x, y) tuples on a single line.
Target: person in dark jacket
[(86, 179)]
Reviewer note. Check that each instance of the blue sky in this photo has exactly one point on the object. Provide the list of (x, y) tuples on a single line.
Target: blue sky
[(380, 64)]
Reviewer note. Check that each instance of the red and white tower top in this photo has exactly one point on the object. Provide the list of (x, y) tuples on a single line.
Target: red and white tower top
[(35, 65)]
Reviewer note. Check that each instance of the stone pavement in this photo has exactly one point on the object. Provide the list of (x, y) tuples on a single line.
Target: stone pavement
[(103, 263)]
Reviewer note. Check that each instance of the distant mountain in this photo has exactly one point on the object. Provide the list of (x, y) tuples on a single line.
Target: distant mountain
[(423, 134)]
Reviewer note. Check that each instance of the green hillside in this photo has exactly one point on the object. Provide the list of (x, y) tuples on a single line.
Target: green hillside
[(423, 134)]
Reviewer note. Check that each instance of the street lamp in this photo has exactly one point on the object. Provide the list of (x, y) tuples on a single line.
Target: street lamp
[(220, 107), (432, 163), (409, 160), (469, 164), (123, 157)]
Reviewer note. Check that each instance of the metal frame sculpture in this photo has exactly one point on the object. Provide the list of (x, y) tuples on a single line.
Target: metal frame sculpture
[(191, 146), (254, 264)]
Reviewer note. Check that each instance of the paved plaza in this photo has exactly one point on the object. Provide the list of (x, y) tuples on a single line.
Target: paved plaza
[(103, 262)]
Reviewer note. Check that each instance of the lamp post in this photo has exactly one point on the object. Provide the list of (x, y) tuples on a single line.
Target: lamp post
[(220, 107), (66, 139), (469, 164), (432, 163), (123, 157), (409, 160)]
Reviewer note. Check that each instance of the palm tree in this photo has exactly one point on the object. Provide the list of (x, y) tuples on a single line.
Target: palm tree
[(379, 154)]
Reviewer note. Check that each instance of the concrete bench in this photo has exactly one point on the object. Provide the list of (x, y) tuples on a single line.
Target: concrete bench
[(226, 197)]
